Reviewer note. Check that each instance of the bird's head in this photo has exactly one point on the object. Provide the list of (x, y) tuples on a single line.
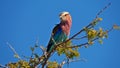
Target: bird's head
[(65, 16)]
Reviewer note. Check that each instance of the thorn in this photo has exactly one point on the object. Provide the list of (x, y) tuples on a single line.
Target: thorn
[(43, 49), (45, 53)]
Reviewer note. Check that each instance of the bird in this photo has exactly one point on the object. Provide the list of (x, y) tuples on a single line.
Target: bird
[(61, 31)]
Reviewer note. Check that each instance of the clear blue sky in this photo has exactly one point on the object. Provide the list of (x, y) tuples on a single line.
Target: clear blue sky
[(23, 21)]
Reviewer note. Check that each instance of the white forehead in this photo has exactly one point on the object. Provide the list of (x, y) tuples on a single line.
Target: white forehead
[(63, 13)]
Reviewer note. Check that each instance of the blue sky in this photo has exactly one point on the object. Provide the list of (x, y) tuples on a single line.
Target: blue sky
[(23, 21)]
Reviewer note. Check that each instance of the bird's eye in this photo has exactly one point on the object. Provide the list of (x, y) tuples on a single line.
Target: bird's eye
[(66, 14)]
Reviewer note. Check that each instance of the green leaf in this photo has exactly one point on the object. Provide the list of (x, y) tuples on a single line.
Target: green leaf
[(106, 35), (116, 27), (53, 64), (100, 41), (96, 21), (91, 34), (36, 45), (32, 49), (16, 56), (99, 19), (90, 42), (36, 55), (86, 46)]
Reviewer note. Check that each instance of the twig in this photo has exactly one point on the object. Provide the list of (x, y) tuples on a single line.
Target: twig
[(110, 29), (84, 44), (2, 66), (43, 49), (103, 9), (10, 46), (65, 62), (80, 38)]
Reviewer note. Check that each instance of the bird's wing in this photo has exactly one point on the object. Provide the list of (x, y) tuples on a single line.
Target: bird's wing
[(55, 29), (53, 35)]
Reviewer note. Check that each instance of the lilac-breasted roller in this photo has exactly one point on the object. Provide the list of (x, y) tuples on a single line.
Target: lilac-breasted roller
[(61, 31)]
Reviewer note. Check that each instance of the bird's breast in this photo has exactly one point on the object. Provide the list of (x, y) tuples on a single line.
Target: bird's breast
[(66, 29)]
